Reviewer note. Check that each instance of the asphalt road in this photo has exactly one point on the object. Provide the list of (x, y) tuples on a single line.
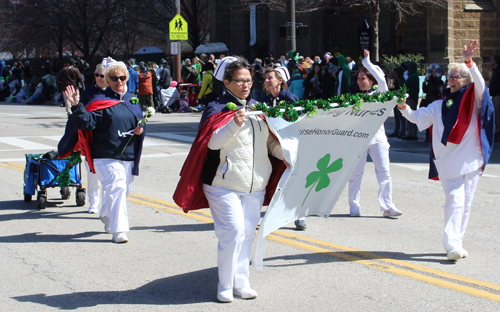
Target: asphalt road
[(60, 258)]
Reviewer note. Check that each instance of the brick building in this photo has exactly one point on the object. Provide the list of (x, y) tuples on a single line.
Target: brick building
[(439, 33)]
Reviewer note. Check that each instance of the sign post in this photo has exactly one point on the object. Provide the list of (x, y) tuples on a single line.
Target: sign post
[(178, 29)]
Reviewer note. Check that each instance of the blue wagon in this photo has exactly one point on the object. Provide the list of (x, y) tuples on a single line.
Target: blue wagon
[(41, 173)]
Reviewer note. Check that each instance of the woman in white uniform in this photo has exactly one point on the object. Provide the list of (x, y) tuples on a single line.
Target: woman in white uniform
[(459, 155), (378, 148)]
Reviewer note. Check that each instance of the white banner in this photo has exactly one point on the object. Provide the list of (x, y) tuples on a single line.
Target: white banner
[(253, 31), (324, 151)]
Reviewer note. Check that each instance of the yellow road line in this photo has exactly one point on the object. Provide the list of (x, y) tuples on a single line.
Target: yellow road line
[(370, 255), (291, 239), (171, 210), (389, 269), (9, 166), (16, 165), (304, 243)]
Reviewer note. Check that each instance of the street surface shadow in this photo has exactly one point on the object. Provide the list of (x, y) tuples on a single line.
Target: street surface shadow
[(30, 211), (36, 237), (188, 288), (303, 259), (346, 215), (176, 228), (337, 256)]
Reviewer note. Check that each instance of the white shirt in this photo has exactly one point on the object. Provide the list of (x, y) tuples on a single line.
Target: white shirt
[(379, 75), (453, 160)]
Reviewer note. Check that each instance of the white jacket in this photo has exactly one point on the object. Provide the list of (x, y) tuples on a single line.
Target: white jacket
[(244, 162)]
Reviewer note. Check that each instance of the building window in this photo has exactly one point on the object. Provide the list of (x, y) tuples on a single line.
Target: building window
[(480, 5)]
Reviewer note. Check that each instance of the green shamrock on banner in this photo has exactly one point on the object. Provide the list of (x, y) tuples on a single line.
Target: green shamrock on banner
[(320, 178)]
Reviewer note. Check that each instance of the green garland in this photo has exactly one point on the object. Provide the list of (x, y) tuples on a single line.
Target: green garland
[(64, 178), (310, 107)]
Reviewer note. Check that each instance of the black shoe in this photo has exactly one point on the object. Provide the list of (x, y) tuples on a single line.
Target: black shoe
[(393, 135), (411, 138), (403, 137), (300, 225)]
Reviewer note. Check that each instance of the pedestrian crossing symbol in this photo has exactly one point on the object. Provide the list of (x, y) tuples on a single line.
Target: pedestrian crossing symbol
[(178, 28)]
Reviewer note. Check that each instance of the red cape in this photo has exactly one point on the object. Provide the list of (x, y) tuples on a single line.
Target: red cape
[(189, 193), (85, 137)]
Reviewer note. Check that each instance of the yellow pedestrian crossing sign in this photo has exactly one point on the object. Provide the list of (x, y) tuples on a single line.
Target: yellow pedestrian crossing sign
[(178, 28)]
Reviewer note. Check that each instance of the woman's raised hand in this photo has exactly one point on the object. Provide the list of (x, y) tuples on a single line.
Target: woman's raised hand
[(366, 53), (469, 50), (72, 95)]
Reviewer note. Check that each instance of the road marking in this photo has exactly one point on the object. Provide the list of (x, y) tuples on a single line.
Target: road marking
[(25, 144), (426, 167), (346, 253), (151, 140), (413, 167), (172, 136), (369, 259), (162, 155)]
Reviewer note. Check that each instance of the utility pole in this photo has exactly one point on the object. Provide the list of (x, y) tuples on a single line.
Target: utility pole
[(290, 12), (177, 58)]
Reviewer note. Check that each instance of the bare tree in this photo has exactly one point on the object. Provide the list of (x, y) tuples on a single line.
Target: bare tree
[(196, 14), (402, 7), (90, 21)]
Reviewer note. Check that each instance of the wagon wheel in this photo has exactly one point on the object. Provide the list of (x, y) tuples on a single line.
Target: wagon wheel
[(80, 197), (42, 200)]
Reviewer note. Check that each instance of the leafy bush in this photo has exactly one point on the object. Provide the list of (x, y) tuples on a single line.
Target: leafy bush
[(391, 62)]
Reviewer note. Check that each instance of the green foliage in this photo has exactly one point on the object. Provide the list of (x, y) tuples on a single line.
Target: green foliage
[(64, 178), (391, 62), (310, 107)]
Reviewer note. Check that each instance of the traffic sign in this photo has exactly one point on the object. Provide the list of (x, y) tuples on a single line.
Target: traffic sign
[(174, 48), (178, 28)]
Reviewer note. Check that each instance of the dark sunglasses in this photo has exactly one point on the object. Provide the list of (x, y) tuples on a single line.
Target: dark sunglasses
[(98, 75), (115, 78)]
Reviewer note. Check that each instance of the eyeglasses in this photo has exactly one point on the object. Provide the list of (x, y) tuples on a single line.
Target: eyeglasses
[(241, 82), (98, 75), (456, 77), (115, 78)]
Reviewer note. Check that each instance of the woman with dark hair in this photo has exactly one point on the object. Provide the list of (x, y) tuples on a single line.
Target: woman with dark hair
[(378, 148), (232, 157), (400, 121), (258, 83), (206, 94), (433, 88), (313, 83)]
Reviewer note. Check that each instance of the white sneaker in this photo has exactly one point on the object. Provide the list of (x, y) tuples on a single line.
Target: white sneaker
[(93, 210), (223, 294), (120, 237), (107, 228), (245, 293), (455, 254), (465, 253), (392, 212), (355, 212)]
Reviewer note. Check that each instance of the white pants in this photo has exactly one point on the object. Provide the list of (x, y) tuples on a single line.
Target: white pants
[(236, 216), (117, 181), (459, 194), (379, 152), (93, 187)]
